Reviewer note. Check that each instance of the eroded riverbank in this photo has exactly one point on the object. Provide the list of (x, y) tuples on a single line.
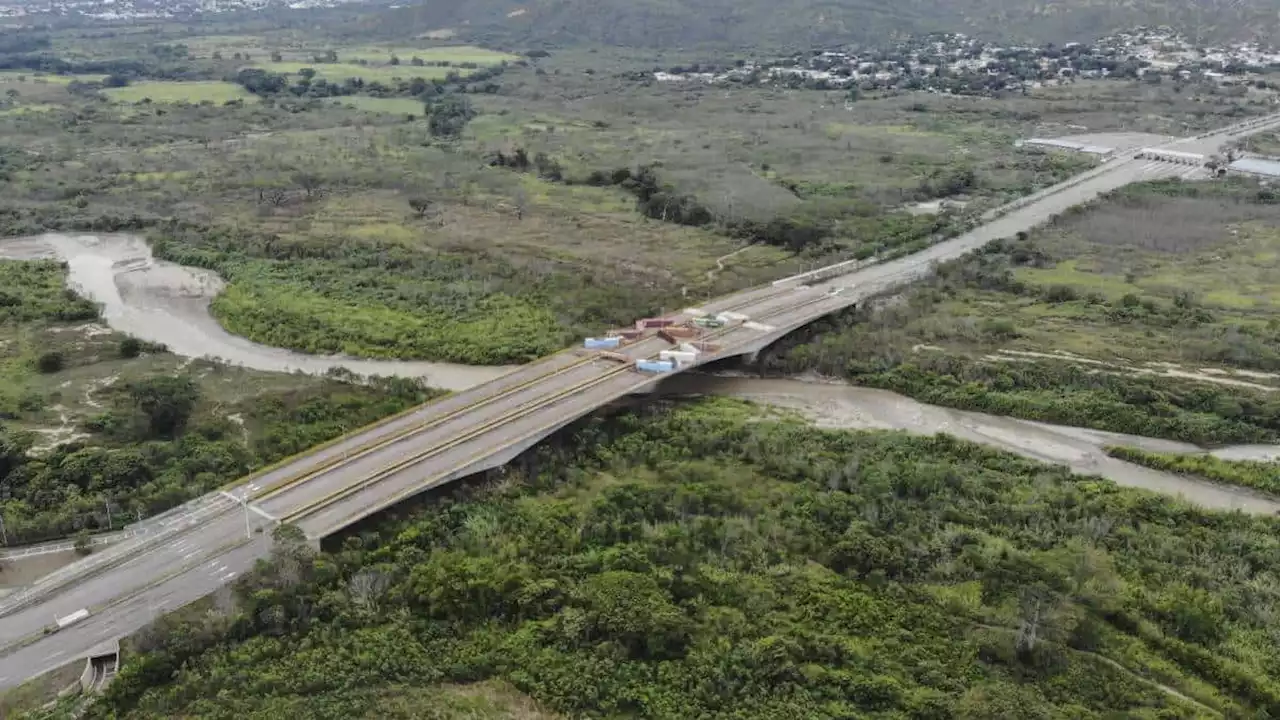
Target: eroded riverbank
[(836, 405), (166, 303)]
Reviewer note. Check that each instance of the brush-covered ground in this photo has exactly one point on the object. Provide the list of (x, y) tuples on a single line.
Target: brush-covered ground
[(710, 561), (1153, 311)]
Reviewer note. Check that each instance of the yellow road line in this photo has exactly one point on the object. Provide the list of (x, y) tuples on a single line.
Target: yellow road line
[(343, 492), (380, 442), (283, 462), (474, 458)]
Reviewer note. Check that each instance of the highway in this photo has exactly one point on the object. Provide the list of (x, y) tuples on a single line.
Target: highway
[(190, 551)]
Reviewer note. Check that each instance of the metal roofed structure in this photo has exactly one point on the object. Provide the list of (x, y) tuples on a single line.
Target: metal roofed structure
[(1069, 145), (1256, 166)]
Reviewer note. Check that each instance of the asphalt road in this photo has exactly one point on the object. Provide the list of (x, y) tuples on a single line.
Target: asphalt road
[(187, 553)]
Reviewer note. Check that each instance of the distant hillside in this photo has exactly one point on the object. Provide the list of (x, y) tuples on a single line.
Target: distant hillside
[(803, 23)]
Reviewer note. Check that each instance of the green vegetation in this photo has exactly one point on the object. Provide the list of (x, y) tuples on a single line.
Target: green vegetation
[(1105, 319), (1263, 476), (37, 291), (682, 24), (395, 106), (337, 72), (708, 562), (180, 92), (369, 216), (101, 429)]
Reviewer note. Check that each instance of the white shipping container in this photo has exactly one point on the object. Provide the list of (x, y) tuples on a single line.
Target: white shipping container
[(73, 618), (678, 357)]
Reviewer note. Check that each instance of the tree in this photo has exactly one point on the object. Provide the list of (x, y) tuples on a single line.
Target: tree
[(307, 73), (311, 183), (276, 57), (395, 60), (164, 403), (115, 81), (449, 115), (130, 348), (421, 205), (521, 199), (84, 543), (51, 362), (416, 61)]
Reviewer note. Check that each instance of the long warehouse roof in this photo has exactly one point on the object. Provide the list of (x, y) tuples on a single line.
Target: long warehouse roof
[(1069, 145), (1257, 166)]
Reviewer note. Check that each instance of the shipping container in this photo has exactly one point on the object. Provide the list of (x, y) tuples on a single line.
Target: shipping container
[(733, 317), (615, 356), (758, 326), (601, 343), (708, 321), (701, 347), (627, 334), (679, 357), (650, 323), (72, 619), (675, 334), (655, 367)]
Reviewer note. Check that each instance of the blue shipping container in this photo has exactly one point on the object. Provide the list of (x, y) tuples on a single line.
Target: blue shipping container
[(602, 343), (652, 366)]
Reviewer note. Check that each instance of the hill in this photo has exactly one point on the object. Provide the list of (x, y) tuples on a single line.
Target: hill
[(804, 23)]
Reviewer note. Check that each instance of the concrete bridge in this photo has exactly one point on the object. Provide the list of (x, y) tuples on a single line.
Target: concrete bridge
[(194, 549)]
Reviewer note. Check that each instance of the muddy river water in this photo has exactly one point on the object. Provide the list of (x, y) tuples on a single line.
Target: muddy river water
[(167, 303), (835, 405)]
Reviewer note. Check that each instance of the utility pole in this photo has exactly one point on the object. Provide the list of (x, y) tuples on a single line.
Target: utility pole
[(244, 503), (4, 533), (108, 504)]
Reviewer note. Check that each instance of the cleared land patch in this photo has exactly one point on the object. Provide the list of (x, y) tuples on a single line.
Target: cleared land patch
[(196, 92), (396, 106)]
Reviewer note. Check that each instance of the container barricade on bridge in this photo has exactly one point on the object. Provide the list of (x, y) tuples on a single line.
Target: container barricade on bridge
[(602, 343), (615, 356), (71, 619), (653, 323), (651, 366), (675, 334), (681, 358), (627, 334), (700, 346)]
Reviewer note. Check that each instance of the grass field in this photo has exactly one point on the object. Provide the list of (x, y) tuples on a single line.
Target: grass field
[(452, 54), (297, 47), (18, 77), (337, 72), (159, 91), (1154, 311), (394, 106)]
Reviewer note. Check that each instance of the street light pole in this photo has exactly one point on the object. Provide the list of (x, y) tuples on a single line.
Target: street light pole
[(244, 502)]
